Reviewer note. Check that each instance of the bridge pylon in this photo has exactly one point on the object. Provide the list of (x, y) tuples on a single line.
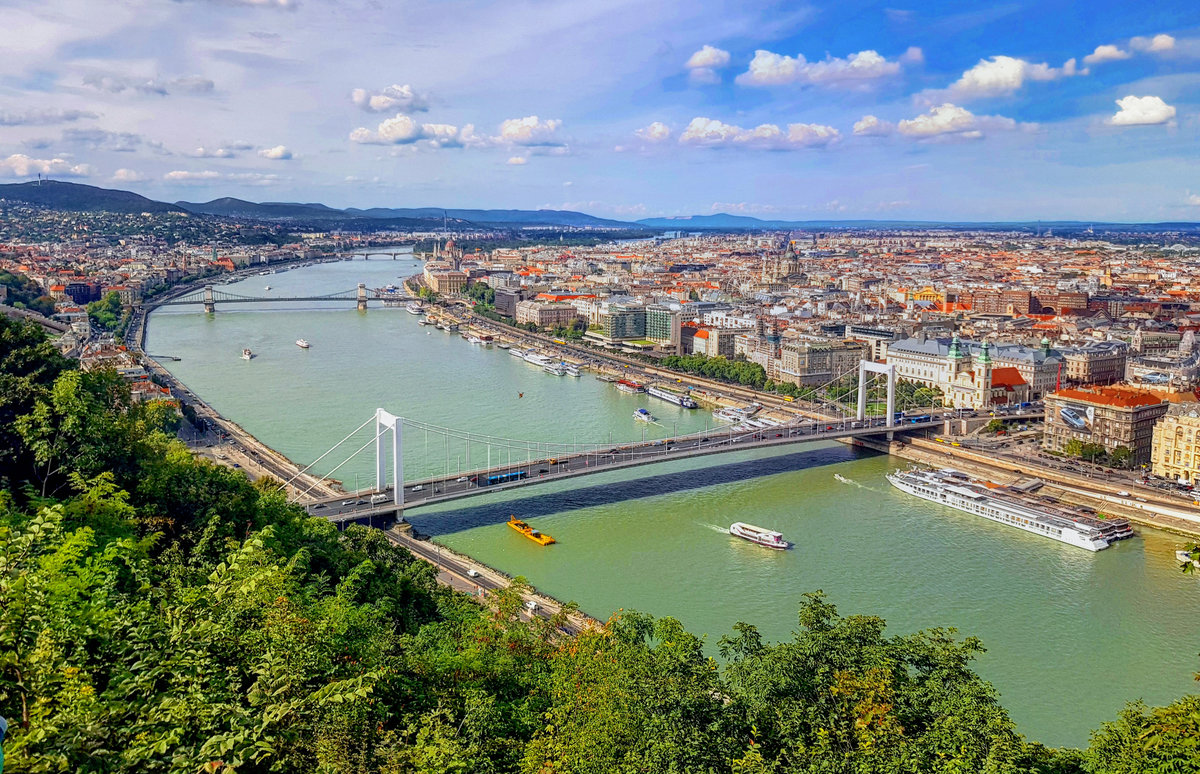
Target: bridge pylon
[(385, 421), (362, 297), (889, 370), (210, 303)]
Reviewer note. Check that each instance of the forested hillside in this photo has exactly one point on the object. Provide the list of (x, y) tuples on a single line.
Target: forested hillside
[(159, 613)]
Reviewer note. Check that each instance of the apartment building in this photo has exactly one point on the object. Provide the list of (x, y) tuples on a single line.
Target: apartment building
[(1176, 450), (1109, 416)]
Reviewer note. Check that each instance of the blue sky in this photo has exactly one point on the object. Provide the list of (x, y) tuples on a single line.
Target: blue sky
[(621, 108)]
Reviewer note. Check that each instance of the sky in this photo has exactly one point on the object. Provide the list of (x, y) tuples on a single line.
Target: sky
[(899, 110)]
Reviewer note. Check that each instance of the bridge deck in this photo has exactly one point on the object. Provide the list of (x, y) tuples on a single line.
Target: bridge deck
[(440, 489)]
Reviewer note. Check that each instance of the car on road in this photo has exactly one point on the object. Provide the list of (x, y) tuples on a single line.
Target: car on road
[(461, 479), (472, 573), (347, 502), (417, 488), (379, 498), (319, 506)]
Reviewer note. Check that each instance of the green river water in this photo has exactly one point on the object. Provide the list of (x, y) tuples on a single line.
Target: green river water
[(1071, 635)]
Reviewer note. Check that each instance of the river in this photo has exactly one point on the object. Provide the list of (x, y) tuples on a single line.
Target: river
[(1071, 635)]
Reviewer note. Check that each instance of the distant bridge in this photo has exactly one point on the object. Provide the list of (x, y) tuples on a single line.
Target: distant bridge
[(210, 297)]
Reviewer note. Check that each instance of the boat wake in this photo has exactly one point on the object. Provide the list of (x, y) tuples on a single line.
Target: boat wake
[(852, 482), (715, 528)]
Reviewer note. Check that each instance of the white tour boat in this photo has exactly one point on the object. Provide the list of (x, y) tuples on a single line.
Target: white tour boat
[(1012, 507), (303, 343), (763, 537)]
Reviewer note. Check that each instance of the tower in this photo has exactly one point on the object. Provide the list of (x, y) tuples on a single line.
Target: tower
[(983, 377)]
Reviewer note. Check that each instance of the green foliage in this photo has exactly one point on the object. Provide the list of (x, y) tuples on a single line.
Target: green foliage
[(719, 368), (994, 426), (1162, 740), (29, 364), (482, 294), (24, 293), (107, 312)]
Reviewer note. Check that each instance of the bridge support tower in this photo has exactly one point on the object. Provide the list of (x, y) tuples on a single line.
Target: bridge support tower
[(362, 297), (210, 304), (383, 423), (889, 370)]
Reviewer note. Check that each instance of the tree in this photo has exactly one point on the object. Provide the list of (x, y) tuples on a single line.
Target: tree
[(29, 364), (1121, 457), (1073, 448)]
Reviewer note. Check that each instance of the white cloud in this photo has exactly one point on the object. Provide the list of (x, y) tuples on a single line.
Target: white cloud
[(116, 84), (20, 165), (912, 55), (43, 117), (531, 130), (711, 133), (211, 153), (1003, 75), (870, 126), (99, 139), (186, 176), (278, 153), (1194, 200), (127, 176), (1106, 53), (1156, 44), (397, 98), (655, 132), (770, 69), (949, 120), (403, 130), (744, 208), (517, 161), (1142, 111), (710, 57), (211, 176), (703, 65)]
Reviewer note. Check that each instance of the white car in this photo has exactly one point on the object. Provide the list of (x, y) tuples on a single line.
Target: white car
[(417, 488), (461, 479), (472, 573)]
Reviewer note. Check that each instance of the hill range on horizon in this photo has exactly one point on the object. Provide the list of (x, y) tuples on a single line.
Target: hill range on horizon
[(78, 197)]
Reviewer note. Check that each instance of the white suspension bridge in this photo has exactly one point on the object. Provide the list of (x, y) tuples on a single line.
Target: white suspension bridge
[(475, 463)]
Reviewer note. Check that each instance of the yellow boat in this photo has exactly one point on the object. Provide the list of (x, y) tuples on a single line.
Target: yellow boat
[(529, 532)]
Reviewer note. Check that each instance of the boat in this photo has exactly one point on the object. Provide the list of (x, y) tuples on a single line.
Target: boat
[(247, 354), (625, 385), (517, 352), (572, 370), (302, 343), (414, 308), (642, 415), (1013, 507), (533, 357), (763, 537), (729, 415), (558, 369), (1185, 557), (502, 345), (529, 532), (679, 399), (474, 339), (268, 287)]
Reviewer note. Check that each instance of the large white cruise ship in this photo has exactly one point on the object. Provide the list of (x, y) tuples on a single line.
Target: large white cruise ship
[(1012, 507)]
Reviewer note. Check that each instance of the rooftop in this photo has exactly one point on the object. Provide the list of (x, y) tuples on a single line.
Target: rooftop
[(1118, 397)]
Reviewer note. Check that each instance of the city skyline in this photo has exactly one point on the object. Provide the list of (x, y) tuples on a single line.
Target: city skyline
[(810, 112)]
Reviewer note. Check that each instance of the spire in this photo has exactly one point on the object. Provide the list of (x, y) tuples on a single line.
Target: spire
[(955, 349), (984, 357), (1045, 345)]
